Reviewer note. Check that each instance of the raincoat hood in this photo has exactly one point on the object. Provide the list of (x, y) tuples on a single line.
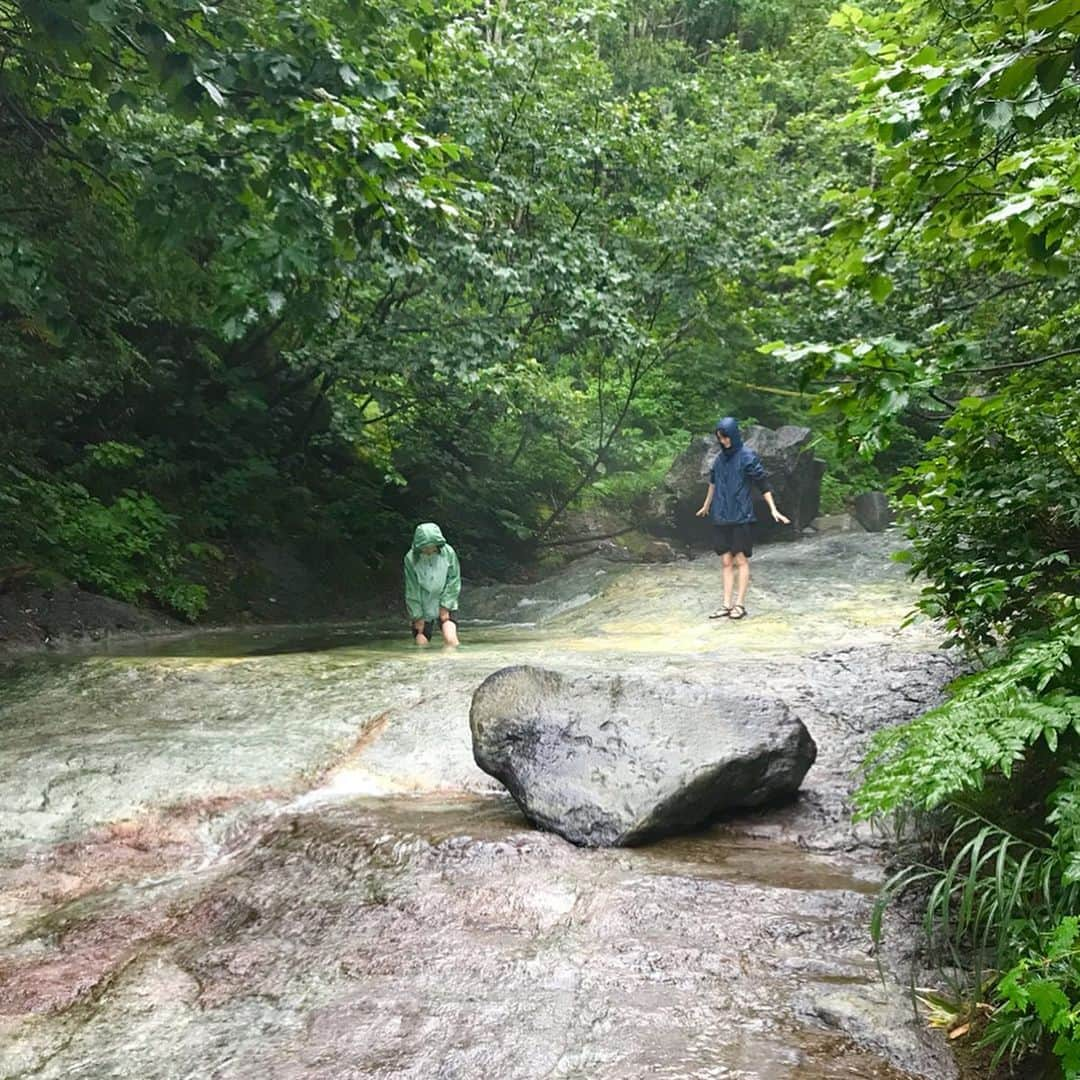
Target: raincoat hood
[(427, 534), (730, 427)]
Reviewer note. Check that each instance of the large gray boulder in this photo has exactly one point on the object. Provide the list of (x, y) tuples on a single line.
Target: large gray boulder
[(794, 473), (608, 761)]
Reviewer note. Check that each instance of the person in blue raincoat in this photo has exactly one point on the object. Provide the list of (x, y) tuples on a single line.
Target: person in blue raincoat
[(432, 585), (730, 508)]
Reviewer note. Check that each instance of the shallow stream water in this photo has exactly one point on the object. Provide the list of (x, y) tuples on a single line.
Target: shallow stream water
[(270, 854)]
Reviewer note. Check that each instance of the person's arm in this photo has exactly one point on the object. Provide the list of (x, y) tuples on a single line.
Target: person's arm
[(708, 500), (756, 471), (414, 601), (777, 516), (448, 598)]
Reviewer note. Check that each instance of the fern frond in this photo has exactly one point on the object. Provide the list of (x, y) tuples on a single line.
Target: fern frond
[(1065, 817), (990, 723)]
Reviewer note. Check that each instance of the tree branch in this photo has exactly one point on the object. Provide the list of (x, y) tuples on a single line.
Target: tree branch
[(994, 369)]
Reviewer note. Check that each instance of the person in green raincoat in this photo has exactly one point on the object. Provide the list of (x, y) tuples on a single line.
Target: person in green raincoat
[(432, 585)]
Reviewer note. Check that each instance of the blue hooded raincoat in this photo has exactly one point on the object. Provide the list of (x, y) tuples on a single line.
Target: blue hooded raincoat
[(736, 467)]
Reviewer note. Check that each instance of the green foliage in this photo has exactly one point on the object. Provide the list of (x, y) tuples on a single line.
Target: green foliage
[(641, 470), (995, 897), (847, 476), (989, 723), (187, 195), (1039, 998), (994, 509), (869, 411), (962, 234), (128, 548), (992, 92), (962, 231), (991, 891), (309, 271)]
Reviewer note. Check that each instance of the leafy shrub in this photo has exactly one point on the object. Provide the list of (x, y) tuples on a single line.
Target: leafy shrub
[(127, 548), (989, 723), (994, 898), (1039, 998), (993, 513), (994, 510)]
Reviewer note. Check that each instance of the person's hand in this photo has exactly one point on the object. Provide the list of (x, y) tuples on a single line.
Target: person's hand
[(702, 512), (780, 519)]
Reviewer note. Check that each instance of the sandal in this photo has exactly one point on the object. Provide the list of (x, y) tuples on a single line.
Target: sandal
[(737, 612), (721, 613)]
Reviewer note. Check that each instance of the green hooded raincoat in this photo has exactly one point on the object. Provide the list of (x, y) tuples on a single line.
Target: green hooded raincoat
[(431, 581)]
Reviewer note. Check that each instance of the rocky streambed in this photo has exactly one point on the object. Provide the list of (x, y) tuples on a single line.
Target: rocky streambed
[(238, 855)]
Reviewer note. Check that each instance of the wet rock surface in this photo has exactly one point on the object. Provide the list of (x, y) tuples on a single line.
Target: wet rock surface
[(614, 760), (273, 854)]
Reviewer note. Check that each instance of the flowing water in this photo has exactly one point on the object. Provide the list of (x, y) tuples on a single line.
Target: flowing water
[(270, 854)]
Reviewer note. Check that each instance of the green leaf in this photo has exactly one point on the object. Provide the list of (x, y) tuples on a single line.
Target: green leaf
[(212, 89), (1048, 999), (1053, 14), (996, 114), (881, 287), (1017, 205), (1053, 70), (1065, 936), (1017, 75)]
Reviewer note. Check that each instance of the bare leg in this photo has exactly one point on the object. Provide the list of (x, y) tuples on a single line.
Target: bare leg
[(729, 577), (448, 627), (420, 637), (742, 563)]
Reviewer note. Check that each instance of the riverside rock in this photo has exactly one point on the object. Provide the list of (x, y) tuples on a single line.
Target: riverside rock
[(609, 761), (872, 511), (794, 473)]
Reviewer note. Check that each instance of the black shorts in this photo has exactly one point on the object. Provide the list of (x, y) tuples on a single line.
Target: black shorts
[(733, 539), (429, 626)]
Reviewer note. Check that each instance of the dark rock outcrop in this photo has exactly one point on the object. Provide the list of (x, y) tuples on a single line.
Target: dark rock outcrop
[(795, 475), (612, 535), (67, 615), (607, 761), (872, 511)]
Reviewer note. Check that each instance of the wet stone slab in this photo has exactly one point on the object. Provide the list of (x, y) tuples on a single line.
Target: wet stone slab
[(346, 944), (273, 855)]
